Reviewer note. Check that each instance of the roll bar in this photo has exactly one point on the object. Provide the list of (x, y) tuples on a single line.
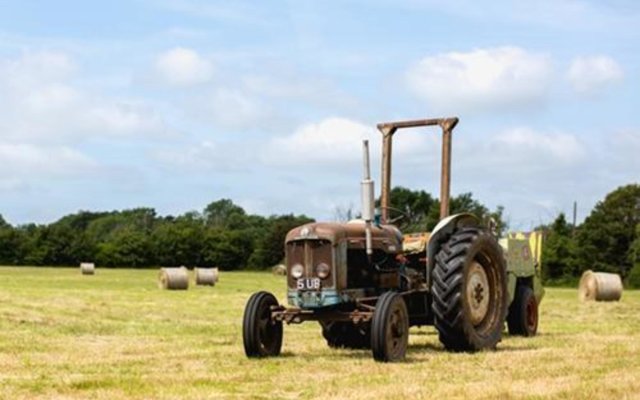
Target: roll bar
[(388, 129)]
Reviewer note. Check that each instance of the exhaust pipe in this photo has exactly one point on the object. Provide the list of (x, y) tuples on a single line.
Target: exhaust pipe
[(367, 192)]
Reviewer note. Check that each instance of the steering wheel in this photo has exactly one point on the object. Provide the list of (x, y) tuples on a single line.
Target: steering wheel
[(399, 215)]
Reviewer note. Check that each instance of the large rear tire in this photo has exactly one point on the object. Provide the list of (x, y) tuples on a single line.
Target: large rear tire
[(469, 291), (390, 328), (262, 337), (523, 313)]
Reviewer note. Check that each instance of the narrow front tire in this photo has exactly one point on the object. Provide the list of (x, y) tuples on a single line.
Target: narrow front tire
[(390, 328), (262, 336)]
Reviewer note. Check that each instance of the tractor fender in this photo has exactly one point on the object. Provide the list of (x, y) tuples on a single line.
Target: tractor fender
[(441, 232)]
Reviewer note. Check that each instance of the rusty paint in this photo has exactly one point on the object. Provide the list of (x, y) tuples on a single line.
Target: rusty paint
[(298, 315)]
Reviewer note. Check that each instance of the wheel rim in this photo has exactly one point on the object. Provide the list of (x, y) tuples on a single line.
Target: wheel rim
[(396, 331), (477, 293), (266, 335), (532, 315)]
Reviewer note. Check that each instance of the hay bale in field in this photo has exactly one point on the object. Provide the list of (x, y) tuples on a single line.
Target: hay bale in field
[(173, 278), (206, 276), (279, 269), (87, 268), (599, 286)]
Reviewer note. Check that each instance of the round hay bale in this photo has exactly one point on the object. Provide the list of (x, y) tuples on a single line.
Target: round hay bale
[(87, 268), (599, 286), (279, 269), (173, 278), (206, 276)]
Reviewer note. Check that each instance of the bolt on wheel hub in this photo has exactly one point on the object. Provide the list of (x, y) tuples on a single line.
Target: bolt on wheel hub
[(477, 293)]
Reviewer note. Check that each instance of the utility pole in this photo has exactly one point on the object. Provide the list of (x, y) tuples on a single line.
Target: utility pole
[(575, 215)]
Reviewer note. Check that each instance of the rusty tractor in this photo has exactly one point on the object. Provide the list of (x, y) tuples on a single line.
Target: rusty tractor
[(366, 283)]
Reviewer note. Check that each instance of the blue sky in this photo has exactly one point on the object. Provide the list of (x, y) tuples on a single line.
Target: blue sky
[(172, 104)]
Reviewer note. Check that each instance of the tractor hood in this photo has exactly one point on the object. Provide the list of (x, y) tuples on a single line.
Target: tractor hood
[(352, 231)]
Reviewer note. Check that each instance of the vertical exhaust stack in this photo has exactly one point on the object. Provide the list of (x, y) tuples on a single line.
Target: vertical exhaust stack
[(367, 187)]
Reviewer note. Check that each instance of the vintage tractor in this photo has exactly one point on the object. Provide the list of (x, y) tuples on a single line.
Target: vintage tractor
[(367, 284)]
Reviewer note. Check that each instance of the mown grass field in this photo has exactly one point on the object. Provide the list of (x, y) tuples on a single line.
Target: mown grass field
[(116, 335)]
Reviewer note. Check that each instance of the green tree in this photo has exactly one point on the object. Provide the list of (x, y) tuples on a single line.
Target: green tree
[(226, 249), (178, 242), (225, 214), (410, 209), (126, 248), (633, 280), (34, 248), (604, 239), (270, 247), (558, 252), (10, 240), (421, 212)]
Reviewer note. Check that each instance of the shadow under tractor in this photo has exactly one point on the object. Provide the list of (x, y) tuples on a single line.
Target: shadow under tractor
[(366, 283)]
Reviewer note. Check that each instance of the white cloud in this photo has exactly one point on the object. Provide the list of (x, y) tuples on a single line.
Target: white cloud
[(229, 109), (592, 75), (332, 140), (494, 78), (210, 156), (315, 91), (525, 145), (41, 101), (24, 164), (336, 142), (533, 173), (37, 67), (183, 67), (621, 153), (232, 108)]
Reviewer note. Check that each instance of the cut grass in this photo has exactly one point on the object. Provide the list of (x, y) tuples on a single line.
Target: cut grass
[(116, 335)]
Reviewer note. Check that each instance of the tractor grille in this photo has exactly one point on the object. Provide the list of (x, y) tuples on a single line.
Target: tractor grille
[(309, 253)]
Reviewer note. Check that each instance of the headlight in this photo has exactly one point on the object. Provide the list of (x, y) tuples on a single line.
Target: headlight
[(297, 271), (323, 271)]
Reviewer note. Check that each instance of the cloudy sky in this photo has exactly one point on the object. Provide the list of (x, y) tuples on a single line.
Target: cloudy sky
[(174, 103)]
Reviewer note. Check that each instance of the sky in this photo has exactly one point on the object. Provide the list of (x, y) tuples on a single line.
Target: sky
[(172, 104)]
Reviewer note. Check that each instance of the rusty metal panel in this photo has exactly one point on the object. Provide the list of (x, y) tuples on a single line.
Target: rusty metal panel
[(309, 253), (415, 243)]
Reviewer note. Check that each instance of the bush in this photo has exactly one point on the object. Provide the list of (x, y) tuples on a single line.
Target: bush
[(633, 280)]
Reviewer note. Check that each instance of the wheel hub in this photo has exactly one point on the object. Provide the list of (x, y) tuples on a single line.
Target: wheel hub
[(477, 293)]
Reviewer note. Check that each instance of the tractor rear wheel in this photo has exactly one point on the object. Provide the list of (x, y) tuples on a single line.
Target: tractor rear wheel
[(261, 335), (469, 291), (523, 313), (390, 328), (342, 334)]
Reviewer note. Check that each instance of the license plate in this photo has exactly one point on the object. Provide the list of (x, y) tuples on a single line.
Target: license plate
[(308, 284)]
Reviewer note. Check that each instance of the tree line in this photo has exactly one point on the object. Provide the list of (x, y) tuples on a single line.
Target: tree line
[(224, 235), (607, 240)]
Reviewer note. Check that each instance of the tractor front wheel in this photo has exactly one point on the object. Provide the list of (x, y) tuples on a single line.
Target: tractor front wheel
[(469, 291), (390, 328), (523, 313), (261, 335)]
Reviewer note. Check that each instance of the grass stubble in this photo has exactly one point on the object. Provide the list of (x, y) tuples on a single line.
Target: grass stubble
[(116, 335)]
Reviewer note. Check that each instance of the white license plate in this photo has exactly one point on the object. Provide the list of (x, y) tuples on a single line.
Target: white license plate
[(308, 284)]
